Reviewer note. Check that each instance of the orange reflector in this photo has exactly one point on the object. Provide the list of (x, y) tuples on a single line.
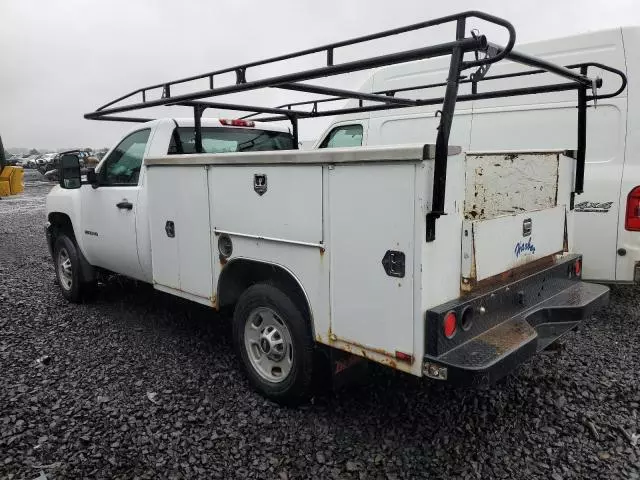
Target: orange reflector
[(449, 326)]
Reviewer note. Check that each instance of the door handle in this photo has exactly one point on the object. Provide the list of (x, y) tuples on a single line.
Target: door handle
[(125, 204)]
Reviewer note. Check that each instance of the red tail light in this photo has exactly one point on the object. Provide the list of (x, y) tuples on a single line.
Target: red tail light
[(237, 123), (450, 325), (577, 267), (632, 218)]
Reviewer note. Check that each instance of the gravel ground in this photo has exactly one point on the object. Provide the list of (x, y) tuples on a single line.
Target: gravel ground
[(139, 384)]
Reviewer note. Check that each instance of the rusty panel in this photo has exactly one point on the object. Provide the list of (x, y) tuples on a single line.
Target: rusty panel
[(509, 183)]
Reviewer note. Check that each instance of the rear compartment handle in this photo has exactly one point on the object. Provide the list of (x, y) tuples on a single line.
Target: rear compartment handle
[(394, 263), (124, 204), (170, 229)]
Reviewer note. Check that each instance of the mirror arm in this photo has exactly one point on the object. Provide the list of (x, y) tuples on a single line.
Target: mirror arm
[(94, 181)]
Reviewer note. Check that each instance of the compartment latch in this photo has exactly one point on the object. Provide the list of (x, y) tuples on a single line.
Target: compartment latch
[(393, 263), (170, 229)]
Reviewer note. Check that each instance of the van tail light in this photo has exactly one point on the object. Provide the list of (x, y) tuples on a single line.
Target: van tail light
[(577, 267), (237, 123), (632, 217)]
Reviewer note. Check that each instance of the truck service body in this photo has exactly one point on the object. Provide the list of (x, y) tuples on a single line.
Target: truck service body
[(427, 258)]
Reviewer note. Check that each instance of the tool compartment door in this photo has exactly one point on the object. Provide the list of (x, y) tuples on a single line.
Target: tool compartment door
[(371, 213), (179, 228), (286, 206)]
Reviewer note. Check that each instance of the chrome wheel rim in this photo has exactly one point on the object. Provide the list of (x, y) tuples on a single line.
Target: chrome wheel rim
[(65, 272), (267, 341)]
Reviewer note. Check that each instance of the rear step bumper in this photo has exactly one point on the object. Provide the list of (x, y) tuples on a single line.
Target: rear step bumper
[(509, 324)]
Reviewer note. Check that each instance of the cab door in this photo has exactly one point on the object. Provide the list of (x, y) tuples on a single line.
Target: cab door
[(109, 211)]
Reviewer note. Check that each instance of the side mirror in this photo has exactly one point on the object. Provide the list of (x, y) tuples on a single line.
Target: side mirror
[(69, 171), (92, 177)]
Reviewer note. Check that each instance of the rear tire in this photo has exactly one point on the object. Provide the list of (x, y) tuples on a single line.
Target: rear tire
[(274, 344), (67, 265)]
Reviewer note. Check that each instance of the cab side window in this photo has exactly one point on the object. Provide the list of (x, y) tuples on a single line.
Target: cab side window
[(343, 136), (122, 166)]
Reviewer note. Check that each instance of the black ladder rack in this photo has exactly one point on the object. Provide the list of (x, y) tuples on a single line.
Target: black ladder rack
[(484, 53)]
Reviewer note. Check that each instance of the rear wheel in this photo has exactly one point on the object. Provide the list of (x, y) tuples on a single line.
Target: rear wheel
[(274, 343), (67, 263)]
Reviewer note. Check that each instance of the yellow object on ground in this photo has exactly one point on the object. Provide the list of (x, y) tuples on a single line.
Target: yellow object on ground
[(11, 181)]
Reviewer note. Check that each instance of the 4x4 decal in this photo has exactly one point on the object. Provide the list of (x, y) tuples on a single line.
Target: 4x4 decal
[(597, 207)]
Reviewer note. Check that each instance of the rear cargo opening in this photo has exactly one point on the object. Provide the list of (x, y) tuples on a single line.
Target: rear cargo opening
[(515, 212)]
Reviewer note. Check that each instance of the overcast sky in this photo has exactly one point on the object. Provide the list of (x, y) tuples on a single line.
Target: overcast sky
[(60, 59)]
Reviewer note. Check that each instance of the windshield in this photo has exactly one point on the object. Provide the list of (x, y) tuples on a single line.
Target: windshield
[(224, 139)]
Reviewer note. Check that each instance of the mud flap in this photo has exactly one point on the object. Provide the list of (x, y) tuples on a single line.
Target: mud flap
[(346, 368)]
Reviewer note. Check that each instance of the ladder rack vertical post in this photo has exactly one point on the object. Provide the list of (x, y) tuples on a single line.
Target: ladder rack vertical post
[(197, 124), (442, 140), (582, 135), (294, 130)]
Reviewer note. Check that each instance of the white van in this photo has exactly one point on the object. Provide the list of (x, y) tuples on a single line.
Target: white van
[(607, 227)]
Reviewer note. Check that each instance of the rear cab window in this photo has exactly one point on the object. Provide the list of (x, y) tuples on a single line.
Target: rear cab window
[(225, 139), (343, 136)]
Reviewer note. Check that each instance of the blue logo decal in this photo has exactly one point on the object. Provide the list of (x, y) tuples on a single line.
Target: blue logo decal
[(522, 247)]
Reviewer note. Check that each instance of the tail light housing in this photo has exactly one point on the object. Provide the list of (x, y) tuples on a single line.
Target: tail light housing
[(237, 122), (450, 324), (577, 267), (632, 217)]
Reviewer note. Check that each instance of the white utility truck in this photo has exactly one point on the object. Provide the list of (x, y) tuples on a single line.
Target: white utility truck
[(607, 221), (441, 263)]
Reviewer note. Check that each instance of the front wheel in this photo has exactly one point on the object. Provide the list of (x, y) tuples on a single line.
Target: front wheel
[(274, 343), (67, 263)]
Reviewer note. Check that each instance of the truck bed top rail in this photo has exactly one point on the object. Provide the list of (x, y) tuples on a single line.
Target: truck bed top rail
[(484, 55)]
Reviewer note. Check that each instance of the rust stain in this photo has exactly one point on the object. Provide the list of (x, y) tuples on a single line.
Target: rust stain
[(389, 362), (353, 347), (378, 355), (513, 274), (214, 301), (223, 261)]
